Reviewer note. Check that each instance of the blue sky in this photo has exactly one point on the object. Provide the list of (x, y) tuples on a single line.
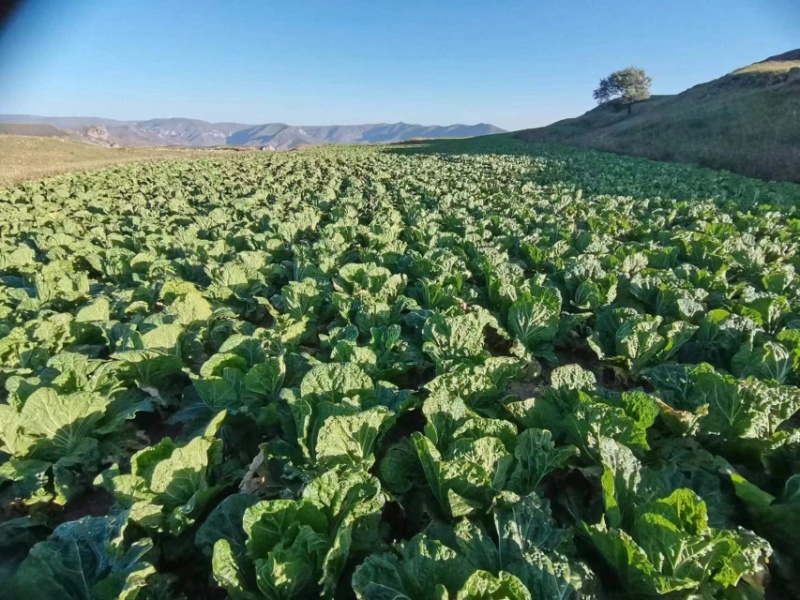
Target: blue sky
[(512, 63)]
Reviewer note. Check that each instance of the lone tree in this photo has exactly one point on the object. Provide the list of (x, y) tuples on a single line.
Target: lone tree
[(623, 88)]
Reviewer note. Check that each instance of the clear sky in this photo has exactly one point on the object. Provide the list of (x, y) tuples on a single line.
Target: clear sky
[(511, 63)]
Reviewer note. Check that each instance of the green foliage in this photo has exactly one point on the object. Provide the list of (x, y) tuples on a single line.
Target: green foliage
[(391, 373), (625, 87), (85, 559), (294, 548)]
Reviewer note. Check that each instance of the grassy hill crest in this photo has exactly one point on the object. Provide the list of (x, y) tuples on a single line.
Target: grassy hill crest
[(747, 121)]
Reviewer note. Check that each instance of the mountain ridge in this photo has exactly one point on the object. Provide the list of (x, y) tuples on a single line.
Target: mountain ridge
[(180, 131)]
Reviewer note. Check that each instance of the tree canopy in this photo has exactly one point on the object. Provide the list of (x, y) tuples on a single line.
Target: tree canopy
[(624, 87)]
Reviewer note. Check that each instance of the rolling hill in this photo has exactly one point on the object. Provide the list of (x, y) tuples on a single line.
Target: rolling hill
[(279, 136), (747, 121), (32, 130), (27, 155)]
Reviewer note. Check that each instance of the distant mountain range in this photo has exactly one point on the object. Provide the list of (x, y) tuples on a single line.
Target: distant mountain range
[(196, 133)]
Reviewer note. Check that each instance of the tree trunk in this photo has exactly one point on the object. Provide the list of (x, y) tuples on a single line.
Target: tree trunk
[(630, 108)]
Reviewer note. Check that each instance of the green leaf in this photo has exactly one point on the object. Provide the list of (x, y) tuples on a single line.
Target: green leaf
[(401, 468), (99, 310), (148, 368), (537, 456), (350, 439), (742, 409), (191, 308), (344, 492), (485, 586), (228, 573), (62, 424), (301, 299), (770, 362), (170, 486), (164, 338), (528, 546), (417, 570), (533, 320), (268, 522), (220, 393), (444, 415), (84, 560), (180, 476), (620, 481), (672, 548), (219, 362), (572, 377), (290, 571), (453, 341), (27, 478), (637, 573), (333, 381), (264, 380), (225, 523), (524, 524)]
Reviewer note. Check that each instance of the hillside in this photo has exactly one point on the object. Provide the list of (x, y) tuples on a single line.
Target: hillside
[(32, 130), (280, 136), (28, 156), (747, 121)]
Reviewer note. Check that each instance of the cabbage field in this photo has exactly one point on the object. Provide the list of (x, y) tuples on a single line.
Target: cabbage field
[(456, 370)]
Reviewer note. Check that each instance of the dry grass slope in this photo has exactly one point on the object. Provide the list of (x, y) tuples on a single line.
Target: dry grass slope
[(30, 157), (769, 66), (35, 130), (747, 122)]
